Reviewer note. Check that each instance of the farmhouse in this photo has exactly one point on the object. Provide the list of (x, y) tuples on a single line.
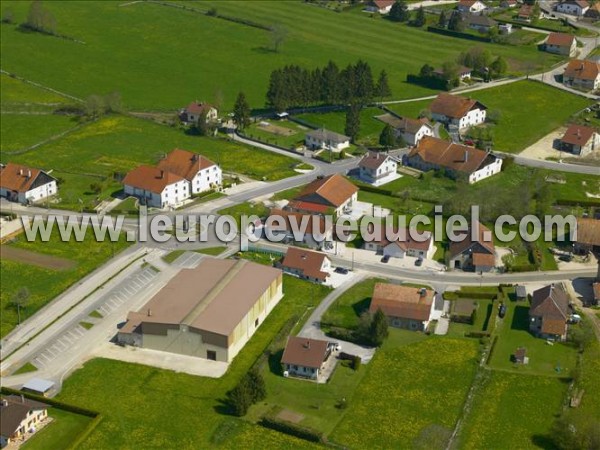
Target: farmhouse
[(404, 245), (457, 111), (470, 6), (549, 312), (561, 44), (437, 154), (580, 140), (476, 253), (19, 415), (582, 74), (208, 312), (526, 13), (406, 307), (376, 167), (304, 357), (323, 139), (333, 193), (155, 187), (573, 7), (312, 230), (483, 24), (588, 235), (24, 184), (593, 12), (306, 264), (410, 130), (380, 6), (201, 173), (192, 112)]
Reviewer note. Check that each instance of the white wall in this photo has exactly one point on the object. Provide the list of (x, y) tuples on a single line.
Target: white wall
[(316, 144), (206, 178), (486, 172), (171, 196), (473, 117)]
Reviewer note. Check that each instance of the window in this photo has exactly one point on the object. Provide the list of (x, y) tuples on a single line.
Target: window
[(256, 323), (211, 354)]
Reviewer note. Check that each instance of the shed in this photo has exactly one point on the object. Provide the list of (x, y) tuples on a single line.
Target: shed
[(463, 311), (520, 356), (521, 292), (38, 386)]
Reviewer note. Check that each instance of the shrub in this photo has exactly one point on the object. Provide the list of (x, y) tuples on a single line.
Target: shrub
[(292, 429), (356, 362)]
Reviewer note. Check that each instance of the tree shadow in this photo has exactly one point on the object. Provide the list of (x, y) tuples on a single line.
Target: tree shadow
[(264, 50), (488, 315), (520, 318), (223, 407), (275, 363), (361, 306), (542, 441)]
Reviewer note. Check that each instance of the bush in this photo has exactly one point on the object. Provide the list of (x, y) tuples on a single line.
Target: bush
[(292, 429), (356, 362), (453, 33)]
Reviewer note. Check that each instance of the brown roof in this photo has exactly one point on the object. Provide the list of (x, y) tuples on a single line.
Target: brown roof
[(18, 178), (296, 221), (304, 352), (198, 108), (468, 3), (214, 297), (582, 69), (457, 157), (560, 39), (484, 259), (520, 354), (453, 106), (307, 261), (402, 301), (554, 326), (550, 302), (372, 160), (463, 307), (526, 11), (404, 124), (580, 3), (184, 163), (596, 288), (382, 4), (487, 246), (299, 205), (588, 231), (333, 190), (328, 136), (151, 178), (15, 411), (578, 134), (404, 239)]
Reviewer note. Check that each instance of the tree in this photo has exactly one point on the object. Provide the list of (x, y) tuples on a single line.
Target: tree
[(203, 126), (353, 122), (39, 18), (456, 23), (278, 35), (20, 300), (113, 102), (94, 106), (387, 138), (382, 88), (426, 71), (363, 81), (493, 34), (442, 20), (8, 16), (330, 76), (241, 112), (399, 12), (256, 384), (378, 330), (240, 398), (96, 188), (450, 73), (498, 67), (420, 19)]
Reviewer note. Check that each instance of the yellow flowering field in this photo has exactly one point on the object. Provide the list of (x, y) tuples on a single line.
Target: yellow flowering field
[(407, 393)]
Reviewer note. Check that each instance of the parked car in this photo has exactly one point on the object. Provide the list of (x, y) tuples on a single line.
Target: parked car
[(419, 262), (385, 259), (565, 258), (341, 270), (502, 311)]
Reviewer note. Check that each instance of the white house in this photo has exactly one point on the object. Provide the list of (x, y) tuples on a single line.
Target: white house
[(374, 167), (20, 415), (380, 6), (333, 194), (387, 244), (156, 187), (411, 130), (24, 184), (305, 357), (580, 140), (326, 140), (505, 28), (457, 111), (573, 7), (201, 173), (436, 154), (582, 74), (306, 264), (470, 6), (561, 44), (195, 110)]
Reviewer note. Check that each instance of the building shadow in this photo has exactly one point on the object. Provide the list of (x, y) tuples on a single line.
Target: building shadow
[(520, 318)]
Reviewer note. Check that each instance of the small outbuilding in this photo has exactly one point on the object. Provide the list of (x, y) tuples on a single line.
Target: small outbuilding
[(39, 386), (520, 356)]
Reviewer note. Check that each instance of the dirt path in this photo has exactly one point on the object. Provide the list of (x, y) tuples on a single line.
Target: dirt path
[(35, 259)]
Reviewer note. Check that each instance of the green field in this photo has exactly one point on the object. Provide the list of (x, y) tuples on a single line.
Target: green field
[(256, 131), (44, 284), (64, 428), (408, 394), (20, 131), (15, 93), (513, 411), (104, 63), (132, 397)]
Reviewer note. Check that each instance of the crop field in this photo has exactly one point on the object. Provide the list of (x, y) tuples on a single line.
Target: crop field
[(44, 283), (103, 63)]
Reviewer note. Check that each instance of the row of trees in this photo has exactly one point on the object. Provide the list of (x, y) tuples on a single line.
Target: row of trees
[(296, 86), (400, 13), (97, 105), (40, 19)]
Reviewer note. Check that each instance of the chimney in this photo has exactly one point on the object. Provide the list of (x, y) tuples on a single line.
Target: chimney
[(162, 174), (22, 398), (20, 171), (149, 312), (307, 345), (28, 173), (422, 292), (466, 155)]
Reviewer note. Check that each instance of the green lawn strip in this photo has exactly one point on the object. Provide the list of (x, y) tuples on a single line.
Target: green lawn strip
[(129, 206), (411, 394), (86, 325), (197, 399), (172, 256), (25, 368), (45, 284), (95, 315), (17, 92), (212, 251), (295, 139), (63, 430)]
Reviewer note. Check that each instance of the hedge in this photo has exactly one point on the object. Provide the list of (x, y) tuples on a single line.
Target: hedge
[(529, 25), (292, 429), (56, 403), (478, 334), (476, 295), (585, 202), (458, 34), (492, 347), (430, 82), (523, 268)]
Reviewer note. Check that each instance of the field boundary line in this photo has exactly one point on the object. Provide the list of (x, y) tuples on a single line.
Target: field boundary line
[(41, 86), (52, 138)]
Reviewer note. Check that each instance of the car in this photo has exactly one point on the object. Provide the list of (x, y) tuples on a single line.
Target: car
[(502, 311), (565, 258), (341, 270), (419, 262), (385, 259)]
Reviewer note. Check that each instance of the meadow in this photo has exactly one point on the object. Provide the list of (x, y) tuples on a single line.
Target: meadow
[(20, 131), (184, 55), (65, 427), (44, 283)]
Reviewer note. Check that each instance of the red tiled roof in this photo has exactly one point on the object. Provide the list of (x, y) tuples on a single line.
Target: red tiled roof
[(382, 4), (403, 124), (453, 106), (18, 178), (307, 261), (550, 302), (298, 205), (582, 69), (588, 231), (198, 108), (150, 179), (526, 11), (596, 288), (560, 39), (578, 135), (401, 301), (457, 248), (333, 190), (304, 352), (483, 260), (447, 154), (184, 163), (554, 326)]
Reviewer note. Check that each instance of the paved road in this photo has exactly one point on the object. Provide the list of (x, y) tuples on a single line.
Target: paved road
[(552, 165)]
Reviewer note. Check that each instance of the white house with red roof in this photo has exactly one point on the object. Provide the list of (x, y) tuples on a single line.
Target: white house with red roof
[(580, 140), (377, 168), (306, 264), (561, 44), (192, 112), (380, 6), (457, 111), (24, 184), (470, 6), (201, 173), (573, 7), (156, 188)]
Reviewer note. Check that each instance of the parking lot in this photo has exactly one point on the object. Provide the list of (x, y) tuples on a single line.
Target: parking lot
[(188, 260)]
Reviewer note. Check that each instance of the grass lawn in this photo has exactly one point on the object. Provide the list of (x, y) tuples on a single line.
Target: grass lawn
[(25, 368), (293, 140), (95, 314), (246, 208), (409, 394), (212, 251), (512, 411), (20, 131), (127, 206), (119, 143), (43, 283), (15, 92), (410, 109), (194, 416), (544, 359), (168, 33), (63, 430)]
